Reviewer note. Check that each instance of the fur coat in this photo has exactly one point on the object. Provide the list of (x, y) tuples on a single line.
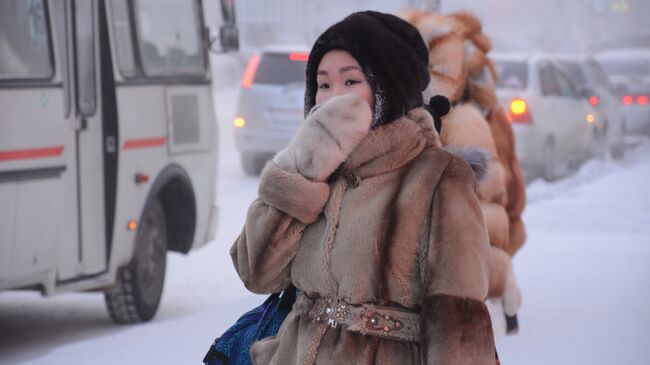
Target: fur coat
[(399, 224)]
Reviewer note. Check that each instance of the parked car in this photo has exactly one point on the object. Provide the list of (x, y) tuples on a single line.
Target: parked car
[(553, 125), (270, 106), (629, 72), (594, 86)]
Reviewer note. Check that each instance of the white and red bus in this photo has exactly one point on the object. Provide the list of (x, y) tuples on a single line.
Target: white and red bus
[(107, 145)]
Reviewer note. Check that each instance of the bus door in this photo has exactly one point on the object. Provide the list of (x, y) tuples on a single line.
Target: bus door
[(89, 257), (38, 200)]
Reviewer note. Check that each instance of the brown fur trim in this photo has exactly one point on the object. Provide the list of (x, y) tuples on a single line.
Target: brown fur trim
[(484, 95), (517, 237), (493, 71), (430, 25), (446, 68), (475, 62), (500, 265), (292, 193), (465, 126), (482, 42), (465, 23), (505, 142), (497, 223), (456, 331), (492, 188)]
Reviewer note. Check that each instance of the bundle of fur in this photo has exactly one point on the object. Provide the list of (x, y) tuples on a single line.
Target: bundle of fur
[(461, 71)]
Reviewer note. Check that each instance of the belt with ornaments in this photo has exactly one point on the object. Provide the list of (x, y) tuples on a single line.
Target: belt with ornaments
[(388, 322)]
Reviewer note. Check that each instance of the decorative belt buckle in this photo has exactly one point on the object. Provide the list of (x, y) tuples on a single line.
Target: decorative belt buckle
[(380, 322), (330, 311)]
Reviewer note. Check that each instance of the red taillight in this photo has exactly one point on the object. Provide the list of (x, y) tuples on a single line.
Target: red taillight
[(518, 111), (593, 100), (642, 99), (249, 73), (299, 56), (627, 99)]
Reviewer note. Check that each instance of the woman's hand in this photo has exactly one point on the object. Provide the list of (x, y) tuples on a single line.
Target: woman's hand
[(328, 135)]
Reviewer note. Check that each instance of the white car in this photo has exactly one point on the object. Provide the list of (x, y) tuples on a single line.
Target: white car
[(271, 104), (594, 86), (554, 126), (629, 72)]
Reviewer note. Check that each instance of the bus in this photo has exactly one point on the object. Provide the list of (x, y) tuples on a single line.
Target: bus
[(108, 144)]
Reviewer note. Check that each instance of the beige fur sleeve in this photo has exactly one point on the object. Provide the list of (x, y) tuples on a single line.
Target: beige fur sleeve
[(456, 326), (263, 252), (457, 259)]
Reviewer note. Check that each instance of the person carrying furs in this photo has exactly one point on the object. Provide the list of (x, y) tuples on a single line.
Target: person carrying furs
[(461, 70)]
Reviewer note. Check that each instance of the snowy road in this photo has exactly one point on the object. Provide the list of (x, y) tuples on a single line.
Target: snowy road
[(584, 273)]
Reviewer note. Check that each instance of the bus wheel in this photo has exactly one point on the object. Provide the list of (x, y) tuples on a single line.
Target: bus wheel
[(136, 294)]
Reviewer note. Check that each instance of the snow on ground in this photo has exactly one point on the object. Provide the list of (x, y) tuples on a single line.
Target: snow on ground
[(584, 274)]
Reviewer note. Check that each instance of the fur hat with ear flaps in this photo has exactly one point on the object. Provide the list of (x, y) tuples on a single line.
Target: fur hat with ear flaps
[(392, 54)]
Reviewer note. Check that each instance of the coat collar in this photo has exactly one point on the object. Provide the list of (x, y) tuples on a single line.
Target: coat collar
[(392, 145)]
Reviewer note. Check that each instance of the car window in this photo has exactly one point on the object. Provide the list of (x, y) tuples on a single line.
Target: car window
[(512, 74), (597, 74), (575, 72), (547, 81), (24, 40), (567, 88), (279, 69)]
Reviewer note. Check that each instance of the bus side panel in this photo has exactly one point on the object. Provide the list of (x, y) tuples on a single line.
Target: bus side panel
[(201, 163), (38, 159), (7, 226), (39, 214), (142, 144)]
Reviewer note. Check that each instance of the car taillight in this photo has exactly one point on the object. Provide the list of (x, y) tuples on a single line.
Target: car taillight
[(299, 56), (519, 112), (627, 99), (642, 99), (593, 100), (249, 73), (239, 122)]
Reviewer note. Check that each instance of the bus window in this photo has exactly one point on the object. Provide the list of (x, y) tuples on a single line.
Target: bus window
[(24, 41), (169, 38), (122, 30), (85, 57)]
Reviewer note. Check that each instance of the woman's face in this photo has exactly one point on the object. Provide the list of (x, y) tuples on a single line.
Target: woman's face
[(339, 73)]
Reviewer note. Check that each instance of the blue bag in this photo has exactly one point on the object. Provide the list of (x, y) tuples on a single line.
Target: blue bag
[(233, 347)]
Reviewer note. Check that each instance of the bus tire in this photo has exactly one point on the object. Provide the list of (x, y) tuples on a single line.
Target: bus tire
[(136, 294)]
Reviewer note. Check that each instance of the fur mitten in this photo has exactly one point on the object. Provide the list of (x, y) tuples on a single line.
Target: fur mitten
[(327, 136)]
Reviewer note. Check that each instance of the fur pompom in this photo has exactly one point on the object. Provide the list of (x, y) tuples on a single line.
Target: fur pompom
[(476, 158)]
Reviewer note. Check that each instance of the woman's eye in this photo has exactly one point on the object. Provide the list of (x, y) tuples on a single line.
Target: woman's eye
[(324, 86), (351, 82)]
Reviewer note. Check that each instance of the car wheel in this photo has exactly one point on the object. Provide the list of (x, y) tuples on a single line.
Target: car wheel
[(549, 163), (618, 149), (252, 163), (599, 142), (136, 294)]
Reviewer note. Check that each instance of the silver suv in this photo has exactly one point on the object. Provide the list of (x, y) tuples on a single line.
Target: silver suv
[(270, 105)]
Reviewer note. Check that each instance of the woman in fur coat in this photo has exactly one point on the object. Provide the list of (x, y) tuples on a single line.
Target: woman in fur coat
[(377, 226)]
